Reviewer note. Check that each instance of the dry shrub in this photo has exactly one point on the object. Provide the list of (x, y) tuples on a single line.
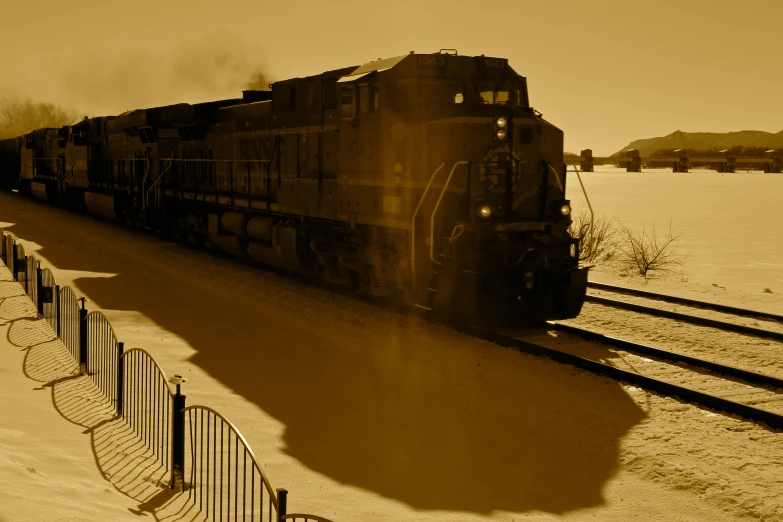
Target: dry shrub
[(597, 238), (645, 252)]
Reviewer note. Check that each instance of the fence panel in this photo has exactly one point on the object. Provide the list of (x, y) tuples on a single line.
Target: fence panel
[(69, 321), (102, 355), (9, 252), (2, 246), (49, 298), (226, 479), (31, 279), (10, 240), (146, 402), (20, 266)]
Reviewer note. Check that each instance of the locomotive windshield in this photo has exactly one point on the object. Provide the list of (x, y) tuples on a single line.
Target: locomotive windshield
[(500, 95), (440, 91)]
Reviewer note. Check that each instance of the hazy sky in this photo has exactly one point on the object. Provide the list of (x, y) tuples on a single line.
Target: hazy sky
[(606, 72)]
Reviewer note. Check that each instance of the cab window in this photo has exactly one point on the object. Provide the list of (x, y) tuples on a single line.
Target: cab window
[(364, 99), (346, 101), (500, 95)]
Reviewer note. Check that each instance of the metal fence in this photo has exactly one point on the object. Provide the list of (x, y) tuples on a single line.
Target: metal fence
[(146, 401), (216, 483), (31, 276), (102, 349), (47, 300), (225, 477), (68, 321), (20, 265), (4, 249)]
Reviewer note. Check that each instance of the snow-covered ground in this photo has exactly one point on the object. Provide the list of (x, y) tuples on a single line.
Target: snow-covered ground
[(730, 225), (363, 414), (63, 453)]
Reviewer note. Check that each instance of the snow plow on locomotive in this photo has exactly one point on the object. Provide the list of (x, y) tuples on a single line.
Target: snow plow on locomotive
[(425, 179)]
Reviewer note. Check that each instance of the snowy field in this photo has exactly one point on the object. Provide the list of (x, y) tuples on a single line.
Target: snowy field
[(731, 224), (731, 228), (366, 415)]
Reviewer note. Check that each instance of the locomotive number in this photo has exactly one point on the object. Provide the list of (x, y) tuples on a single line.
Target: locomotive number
[(494, 63), (360, 149), (432, 61)]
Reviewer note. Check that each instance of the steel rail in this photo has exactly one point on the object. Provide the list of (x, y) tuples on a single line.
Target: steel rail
[(702, 321), (682, 300), (772, 420), (665, 355)]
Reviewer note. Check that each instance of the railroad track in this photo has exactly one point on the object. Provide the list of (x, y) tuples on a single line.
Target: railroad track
[(751, 395), (727, 389), (771, 320)]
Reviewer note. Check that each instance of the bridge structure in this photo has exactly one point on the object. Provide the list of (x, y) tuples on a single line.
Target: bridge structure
[(679, 161)]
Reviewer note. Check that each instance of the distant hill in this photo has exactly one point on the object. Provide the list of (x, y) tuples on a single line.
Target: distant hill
[(706, 141)]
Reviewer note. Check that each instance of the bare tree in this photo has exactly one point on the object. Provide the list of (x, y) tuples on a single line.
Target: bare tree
[(597, 236), (19, 117), (645, 252)]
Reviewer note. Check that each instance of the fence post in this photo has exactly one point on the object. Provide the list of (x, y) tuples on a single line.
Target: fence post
[(26, 277), (282, 503), (120, 375), (83, 338), (57, 307), (39, 284), (178, 438), (13, 261)]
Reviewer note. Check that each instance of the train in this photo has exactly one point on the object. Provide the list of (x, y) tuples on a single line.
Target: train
[(425, 180)]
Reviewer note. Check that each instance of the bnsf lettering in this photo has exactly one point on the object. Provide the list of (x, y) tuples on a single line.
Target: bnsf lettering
[(360, 149)]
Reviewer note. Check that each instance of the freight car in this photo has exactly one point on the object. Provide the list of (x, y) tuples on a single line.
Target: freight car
[(425, 179)]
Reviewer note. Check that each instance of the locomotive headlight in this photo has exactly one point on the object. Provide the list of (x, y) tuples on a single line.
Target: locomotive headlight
[(485, 211), (501, 134), (565, 210), (501, 122)]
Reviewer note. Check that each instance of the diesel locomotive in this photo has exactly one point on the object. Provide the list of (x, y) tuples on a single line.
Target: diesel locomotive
[(424, 179)]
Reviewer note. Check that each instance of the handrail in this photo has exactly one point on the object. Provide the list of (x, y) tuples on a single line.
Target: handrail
[(435, 211), (144, 182), (157, 182), (557, 176), (413, 222), (586, 199)]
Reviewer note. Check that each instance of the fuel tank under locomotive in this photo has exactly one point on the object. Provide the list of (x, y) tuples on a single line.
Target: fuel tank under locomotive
[(263, 239)]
